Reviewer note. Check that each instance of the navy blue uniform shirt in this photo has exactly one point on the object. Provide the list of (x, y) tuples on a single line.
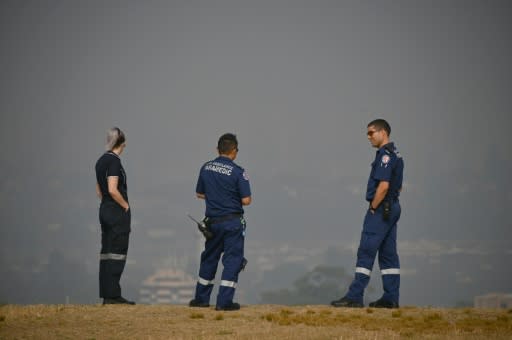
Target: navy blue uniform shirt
[(388, 166), (224, 184), (109, 164)]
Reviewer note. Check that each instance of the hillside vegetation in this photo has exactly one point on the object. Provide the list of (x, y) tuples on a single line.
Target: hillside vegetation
[(251, 322)]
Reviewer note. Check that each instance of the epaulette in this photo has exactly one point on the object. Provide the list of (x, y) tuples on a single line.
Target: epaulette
[(389, 149)]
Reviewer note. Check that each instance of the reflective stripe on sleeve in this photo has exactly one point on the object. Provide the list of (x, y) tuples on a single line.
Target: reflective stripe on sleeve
[(204, 282), (225, 283), (364, 271), (389, 271), (110, 256)]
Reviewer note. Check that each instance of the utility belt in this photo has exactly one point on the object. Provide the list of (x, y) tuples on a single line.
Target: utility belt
[(220, 219)]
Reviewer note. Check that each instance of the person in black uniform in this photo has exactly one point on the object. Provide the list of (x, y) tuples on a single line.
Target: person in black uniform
[(115, 217), (225, 188)]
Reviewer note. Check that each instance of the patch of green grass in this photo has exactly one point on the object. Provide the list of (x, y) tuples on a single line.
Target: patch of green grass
[(269, 317), (396, 313), (467, 311), (286, 312), (323, 318), (407, 334), (225, 332), (326, 312), (196, 315), (502, 318), (432, 317)]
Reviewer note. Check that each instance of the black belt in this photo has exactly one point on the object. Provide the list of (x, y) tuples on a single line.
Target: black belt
[(214, 220)]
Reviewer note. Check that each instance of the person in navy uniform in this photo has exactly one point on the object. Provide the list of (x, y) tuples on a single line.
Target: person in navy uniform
[(115, 217), (225, 188), (380, 223)]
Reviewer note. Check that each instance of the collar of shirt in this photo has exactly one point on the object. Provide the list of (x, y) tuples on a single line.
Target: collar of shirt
[(224, 158), (112, 153), (390, 145)]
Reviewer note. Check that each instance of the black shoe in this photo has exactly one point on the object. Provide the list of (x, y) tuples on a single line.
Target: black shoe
[(117, 301), (381, 303), (195, 303), (344, 302), (231, 306)]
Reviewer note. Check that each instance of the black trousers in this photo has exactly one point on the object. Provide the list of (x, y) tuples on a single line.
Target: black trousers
[(115, 234)]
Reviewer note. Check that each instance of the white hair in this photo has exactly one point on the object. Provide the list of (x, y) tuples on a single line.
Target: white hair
[(115, 137)]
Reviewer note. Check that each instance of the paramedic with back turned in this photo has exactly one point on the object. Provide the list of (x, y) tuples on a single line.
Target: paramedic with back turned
[(225, 188), (115, 217)]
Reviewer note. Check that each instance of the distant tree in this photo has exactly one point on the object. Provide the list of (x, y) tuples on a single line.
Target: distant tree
[(319, 286)]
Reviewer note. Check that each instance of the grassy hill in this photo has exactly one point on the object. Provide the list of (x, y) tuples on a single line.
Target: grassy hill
[(251, 322)]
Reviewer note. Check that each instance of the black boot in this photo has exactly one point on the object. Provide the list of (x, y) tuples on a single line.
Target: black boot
[(195, 303), (117, 301), (381, 303), (231, 306), (344, 302)]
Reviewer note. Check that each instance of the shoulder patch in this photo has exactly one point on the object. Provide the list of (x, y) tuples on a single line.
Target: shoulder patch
[(385, 159), (245, 175)]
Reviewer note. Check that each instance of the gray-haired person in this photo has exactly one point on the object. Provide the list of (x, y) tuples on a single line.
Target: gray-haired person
[(115, 217)]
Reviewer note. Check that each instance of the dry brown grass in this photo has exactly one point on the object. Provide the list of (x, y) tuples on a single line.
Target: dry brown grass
[(251, 322)]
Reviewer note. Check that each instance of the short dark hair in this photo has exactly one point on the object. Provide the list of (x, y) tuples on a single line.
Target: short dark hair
[(227, 143), (381, 124)]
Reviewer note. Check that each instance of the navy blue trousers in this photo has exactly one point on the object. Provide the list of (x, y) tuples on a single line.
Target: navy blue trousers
[(115, 234), (378, 236), (228, 239)]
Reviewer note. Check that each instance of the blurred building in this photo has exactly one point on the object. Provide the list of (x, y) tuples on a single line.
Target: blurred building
[(168, 286), (494, 300)]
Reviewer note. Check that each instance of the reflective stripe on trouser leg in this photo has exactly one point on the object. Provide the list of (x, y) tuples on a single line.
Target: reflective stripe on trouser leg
[(204, 282), (115, 227), (361, 279), (232, 261), (208, 267), (112, 263), (366, 253), (391, 285), (203, 290), (389, 264), (364, 271), (111, 256)]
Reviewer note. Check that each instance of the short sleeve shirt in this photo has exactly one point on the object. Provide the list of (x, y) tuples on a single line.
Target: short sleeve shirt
[(109, 164), (387, 166), (224, 184)]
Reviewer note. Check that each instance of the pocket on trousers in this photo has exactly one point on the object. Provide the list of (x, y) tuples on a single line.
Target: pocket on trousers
[(120, 242), (111, 214), (373, 223), (234, 225)]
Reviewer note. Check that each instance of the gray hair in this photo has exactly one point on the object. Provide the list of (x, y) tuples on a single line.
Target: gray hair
[(115, 138)]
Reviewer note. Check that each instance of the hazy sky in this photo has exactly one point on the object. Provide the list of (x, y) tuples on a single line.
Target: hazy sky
[(297, 81)]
